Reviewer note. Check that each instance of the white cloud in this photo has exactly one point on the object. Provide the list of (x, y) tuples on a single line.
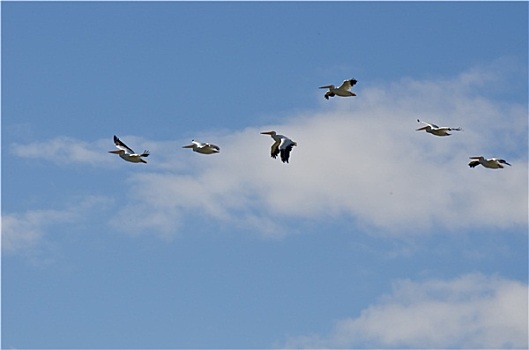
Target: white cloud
[(22, 232), (64, 150), (359, 158), (473, 311), (67, 150), (25, 231)]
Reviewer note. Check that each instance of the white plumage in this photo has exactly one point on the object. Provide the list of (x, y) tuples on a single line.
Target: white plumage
[(204, 148), (126, 153), (491, 163), (343, 90), (437, 130), (282, 145)]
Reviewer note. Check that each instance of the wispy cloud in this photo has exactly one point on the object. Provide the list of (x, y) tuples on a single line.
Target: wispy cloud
[(22, 232), (472, 311), (64, 150)]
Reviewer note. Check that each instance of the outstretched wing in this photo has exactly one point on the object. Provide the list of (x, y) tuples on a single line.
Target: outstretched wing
[(348, 84), (432, 125), (119, 144)]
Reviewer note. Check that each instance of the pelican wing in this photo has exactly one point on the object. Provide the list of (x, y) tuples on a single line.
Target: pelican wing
[(500, 162), (275, 149), (119, 144), (285, 149), (473, 163), (430, 124), (347, 84), (212, 146)]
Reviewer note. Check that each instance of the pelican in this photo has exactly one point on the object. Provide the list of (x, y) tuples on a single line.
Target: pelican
[(204, 148), (343, 90), (491, 163), (128, 154), (282, 145), (436, 130)]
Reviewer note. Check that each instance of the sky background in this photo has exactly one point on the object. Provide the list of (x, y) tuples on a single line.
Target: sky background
[(373, 236)]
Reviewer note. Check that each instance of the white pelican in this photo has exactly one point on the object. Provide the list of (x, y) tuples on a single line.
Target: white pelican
[(491, 163), (436, 130), (128, 154), (282, 145), (204, 148), (343, 90)]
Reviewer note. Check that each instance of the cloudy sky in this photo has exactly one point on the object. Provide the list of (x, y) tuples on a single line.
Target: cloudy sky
[(375, 235)]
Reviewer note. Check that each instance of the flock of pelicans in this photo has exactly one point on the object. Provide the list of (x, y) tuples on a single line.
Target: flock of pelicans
[(283, 145)]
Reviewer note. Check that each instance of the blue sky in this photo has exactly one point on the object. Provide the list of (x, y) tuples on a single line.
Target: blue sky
[(373, 236)]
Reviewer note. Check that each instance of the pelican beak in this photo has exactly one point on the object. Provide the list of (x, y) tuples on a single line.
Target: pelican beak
[(115, 152), (188, 146), (267, 132), (423, 128), (507, 164)]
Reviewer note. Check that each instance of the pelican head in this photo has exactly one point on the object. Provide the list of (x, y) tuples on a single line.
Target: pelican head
[(502, 161), (192, 145)]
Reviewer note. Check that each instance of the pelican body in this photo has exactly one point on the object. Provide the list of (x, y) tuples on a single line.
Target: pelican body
[(204, 148), (436, 130), (282, 145), (491, 163), (343, 90), (128, 154)]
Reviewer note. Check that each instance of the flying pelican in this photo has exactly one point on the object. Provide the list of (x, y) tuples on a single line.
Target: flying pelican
[(491, 163), (128, 154), (282, 145), (204, 148), (436, 130), (343, 90)]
